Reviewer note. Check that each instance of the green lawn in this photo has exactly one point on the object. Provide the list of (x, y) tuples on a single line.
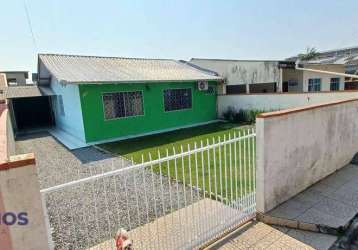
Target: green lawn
[(224, 179)]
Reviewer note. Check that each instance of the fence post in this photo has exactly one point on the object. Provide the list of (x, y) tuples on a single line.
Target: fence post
[(20, 193)]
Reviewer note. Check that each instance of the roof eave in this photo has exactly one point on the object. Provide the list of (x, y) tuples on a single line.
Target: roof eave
[(139, 81)]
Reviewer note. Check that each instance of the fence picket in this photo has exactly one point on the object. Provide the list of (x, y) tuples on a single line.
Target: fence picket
[(178, 200)]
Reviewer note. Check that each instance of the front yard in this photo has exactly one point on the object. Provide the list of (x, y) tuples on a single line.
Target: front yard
[(222, 168)]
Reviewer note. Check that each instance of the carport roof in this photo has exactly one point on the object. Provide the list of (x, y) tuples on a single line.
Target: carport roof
[(28, 91)]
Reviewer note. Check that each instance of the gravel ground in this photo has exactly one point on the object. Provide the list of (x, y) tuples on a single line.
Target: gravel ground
[(86, 214)]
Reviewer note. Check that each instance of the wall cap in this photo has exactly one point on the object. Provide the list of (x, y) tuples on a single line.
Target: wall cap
[(301, 109), (16, 161), (292, 93)]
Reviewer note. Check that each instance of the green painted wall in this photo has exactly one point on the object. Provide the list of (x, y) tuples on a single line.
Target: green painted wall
[(154, 119)]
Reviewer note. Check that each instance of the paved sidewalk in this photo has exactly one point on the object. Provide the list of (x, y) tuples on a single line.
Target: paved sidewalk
[(333, 201), (257, 235)]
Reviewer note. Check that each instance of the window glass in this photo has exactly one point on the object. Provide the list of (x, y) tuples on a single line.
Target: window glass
[(314, 84), (122, 104), (334, 84), (177, 99)]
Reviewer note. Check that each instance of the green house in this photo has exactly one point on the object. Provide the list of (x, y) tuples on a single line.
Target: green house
[(100, 99)]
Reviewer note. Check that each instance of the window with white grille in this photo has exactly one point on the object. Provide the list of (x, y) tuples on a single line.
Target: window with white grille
[(122, 104), (177, 99)]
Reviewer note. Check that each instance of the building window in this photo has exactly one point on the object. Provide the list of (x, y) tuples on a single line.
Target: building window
[(292, 83), (177, 99), (334, 84), (236, 89), (314, 84), (11, 81), (211, 90), (122, 104)]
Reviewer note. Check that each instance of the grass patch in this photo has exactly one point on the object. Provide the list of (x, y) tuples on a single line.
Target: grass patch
[(226, 165)]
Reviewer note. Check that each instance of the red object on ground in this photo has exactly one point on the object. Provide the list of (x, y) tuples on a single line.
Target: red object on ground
[(119, 243)]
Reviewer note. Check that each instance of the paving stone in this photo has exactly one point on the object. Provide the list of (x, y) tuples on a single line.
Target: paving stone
[(290, 209), (269, 238), (309, 197), (335, 208), (313, 215), (315, 240), (322, 188)]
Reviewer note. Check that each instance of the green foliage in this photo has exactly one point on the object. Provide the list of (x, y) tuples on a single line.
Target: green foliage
[(241, 116), (311, 53)]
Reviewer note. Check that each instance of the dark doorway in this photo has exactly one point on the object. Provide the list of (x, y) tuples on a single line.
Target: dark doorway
[(285, 87), (32, 112)]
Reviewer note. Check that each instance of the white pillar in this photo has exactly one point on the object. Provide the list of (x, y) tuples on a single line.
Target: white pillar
[(279, 87)]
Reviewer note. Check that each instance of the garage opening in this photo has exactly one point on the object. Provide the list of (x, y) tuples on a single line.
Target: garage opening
[(30, 107), (32, 112)]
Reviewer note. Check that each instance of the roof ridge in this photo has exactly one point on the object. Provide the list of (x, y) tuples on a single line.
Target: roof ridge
[(105, 57)]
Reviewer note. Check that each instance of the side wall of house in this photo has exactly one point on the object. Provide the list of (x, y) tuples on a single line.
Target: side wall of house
[(154, 119), (68, 119)]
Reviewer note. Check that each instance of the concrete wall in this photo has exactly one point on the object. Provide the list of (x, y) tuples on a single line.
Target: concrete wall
[(20, 192), (7, 140), (19, 76), (242, 71), (298, 147), (279, 101)]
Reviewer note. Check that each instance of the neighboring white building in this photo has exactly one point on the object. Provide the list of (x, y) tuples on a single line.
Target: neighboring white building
[(16, 77), (253, 76), (302, 80), (244, 76)]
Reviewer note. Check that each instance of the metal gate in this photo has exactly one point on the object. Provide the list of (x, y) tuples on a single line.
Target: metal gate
[(178, 199)]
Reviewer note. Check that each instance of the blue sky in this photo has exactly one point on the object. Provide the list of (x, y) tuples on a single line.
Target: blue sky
[(180, 29)]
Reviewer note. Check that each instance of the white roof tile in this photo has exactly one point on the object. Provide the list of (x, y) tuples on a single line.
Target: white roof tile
[(94, 69)]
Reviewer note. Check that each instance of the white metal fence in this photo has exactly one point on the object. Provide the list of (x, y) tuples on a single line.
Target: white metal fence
[(177, 199)]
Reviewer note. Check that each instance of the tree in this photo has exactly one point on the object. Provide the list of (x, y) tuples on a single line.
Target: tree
[(311, 53)]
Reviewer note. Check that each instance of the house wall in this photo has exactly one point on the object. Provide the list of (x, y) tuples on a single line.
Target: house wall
[(19, 76), (279, 101), (242, 72), (302, 77), (298, 147), (293, 75), (70, 120), (325, 80), (154, 118)]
